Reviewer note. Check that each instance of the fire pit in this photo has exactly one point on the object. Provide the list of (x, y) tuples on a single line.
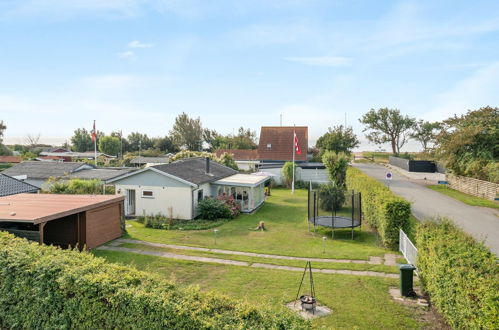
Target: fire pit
[(308, 303)]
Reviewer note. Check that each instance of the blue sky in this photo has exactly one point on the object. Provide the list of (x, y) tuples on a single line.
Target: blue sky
[(135, 64)]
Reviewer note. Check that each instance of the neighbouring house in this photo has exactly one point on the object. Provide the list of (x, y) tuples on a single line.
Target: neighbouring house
[(12, 186), (246, 159), (276, 144), (174, 189), (151, 161), (63, 220), (37, 173), (71, 155), (11, 159)]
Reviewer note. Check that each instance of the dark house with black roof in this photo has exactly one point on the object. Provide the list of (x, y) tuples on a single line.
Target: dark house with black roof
[(10, 186), (174, 189)]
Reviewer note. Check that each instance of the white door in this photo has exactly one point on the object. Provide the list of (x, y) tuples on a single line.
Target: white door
[(130, 202)]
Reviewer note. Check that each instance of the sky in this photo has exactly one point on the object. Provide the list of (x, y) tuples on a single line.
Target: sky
[(134, 65)]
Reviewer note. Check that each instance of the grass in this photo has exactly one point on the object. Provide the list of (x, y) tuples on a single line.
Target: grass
[(465, 198), (287, 233), (357, 302), (250, 259)]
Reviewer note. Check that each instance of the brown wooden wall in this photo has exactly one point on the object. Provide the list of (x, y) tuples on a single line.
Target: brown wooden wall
[(103, 225)]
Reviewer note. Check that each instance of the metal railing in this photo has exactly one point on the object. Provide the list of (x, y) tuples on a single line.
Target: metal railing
[(407, 248)]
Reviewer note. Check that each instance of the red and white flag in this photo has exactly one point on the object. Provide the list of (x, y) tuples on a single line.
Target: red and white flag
[(297, 148), (94, 133)]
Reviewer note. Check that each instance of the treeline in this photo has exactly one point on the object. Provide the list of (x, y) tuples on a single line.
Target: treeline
[(186, 134)]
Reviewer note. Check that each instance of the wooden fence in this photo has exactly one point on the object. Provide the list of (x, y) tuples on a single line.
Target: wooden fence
[(475, 187)]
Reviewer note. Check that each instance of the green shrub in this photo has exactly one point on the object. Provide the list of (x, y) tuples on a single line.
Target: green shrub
[(336, 166), (44, 287), (287, 173), (78, 187), (460, 275), (331, 197), (212, 209), (381, 208)]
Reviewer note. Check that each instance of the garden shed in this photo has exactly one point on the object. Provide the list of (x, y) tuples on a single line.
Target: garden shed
[(63, 220)]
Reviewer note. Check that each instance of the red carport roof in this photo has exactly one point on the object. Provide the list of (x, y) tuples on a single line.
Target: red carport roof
[(37, 208)]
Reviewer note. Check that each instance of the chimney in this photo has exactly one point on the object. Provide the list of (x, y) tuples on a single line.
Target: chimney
[(207, 169)]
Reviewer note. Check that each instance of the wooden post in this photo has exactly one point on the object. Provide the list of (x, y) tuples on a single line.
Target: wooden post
[(41, 226)]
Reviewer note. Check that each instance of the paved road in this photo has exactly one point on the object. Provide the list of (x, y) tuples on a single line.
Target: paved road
[(482, 223)]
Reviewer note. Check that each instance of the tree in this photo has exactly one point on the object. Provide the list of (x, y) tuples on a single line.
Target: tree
[(338, 139), (468, 144), (138, 141), (110, 145), (336, 166), (3, 127), (425, 132), (81, 140), (32, 139), (164, 144), (245, 139), (188, 132), (388, 125), (225, 159)]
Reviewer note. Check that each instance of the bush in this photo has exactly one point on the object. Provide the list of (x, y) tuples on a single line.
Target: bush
[(381, 208), (231, 204), (460, 275), (336, 166), (78, 187), (212, 209), (287, 174), (44, 287), (331, 197)]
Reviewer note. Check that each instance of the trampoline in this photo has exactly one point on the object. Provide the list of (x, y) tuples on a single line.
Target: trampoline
[(335, 212)]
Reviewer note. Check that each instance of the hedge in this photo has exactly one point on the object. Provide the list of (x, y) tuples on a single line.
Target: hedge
[(381, 208), (45, 287), (460, 274)]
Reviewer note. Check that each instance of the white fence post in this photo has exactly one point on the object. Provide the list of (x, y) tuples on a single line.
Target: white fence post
[(408, 249)]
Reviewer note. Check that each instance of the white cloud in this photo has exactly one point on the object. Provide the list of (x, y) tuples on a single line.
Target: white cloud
[(138, 44), (127, 55), (321, 60)]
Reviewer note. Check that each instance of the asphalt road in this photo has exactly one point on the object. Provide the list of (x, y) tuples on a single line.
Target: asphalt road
[(480, 222)]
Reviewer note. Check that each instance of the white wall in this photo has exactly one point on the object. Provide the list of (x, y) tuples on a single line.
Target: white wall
[(178, 198)]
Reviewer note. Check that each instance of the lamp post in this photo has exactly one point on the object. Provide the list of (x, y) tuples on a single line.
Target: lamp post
[(324, 238), (215, 232)]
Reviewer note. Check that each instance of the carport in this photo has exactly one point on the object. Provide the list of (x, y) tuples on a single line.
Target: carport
[(63, 220)]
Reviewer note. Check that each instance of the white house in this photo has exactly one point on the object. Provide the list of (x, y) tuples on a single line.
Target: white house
[(174, 189)]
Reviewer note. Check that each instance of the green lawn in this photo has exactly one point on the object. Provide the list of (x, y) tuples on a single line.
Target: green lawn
[(287, 233), (465, 198), (357, 302)]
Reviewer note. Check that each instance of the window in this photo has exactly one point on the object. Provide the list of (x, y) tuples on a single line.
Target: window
[(200, 194), (148, 194), (269, 145)]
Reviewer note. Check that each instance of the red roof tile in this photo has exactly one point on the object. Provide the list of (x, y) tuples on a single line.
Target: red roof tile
[(11, 159), (276, 143), (240, 154)]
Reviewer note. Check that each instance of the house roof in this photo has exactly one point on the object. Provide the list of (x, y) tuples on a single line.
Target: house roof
[(87, 154), (243, 180), (150, 160), (11, 186), (194, 170), (45, 170), (103, 174), (276, 143), (11, 159), (36, 208), (240, 154)]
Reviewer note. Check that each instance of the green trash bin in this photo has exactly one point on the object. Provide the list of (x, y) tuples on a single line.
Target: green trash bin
[(406, 282)]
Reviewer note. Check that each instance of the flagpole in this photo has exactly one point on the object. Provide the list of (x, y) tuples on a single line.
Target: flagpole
[(95, 145), (294, 150)]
